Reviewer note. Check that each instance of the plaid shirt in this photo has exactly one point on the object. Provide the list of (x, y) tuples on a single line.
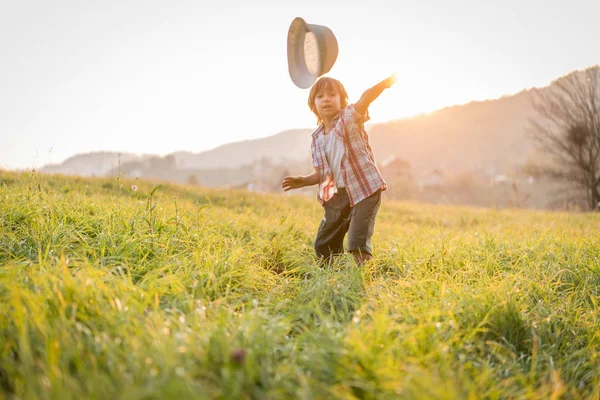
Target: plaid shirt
[(359, 171)]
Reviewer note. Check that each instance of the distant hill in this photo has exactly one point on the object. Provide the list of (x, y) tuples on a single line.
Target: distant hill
[(92, 164), (287, 146), (484, 135), (487, 136)]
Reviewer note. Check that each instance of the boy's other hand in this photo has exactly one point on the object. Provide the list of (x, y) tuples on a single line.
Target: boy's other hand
[(292, 182)]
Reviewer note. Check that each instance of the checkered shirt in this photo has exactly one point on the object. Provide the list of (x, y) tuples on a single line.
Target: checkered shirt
[(359, 171)]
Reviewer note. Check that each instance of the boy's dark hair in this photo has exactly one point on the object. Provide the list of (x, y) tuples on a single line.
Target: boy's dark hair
[(326, 83)]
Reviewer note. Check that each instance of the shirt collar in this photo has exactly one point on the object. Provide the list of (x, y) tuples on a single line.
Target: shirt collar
[(321, 127), (317, 131)]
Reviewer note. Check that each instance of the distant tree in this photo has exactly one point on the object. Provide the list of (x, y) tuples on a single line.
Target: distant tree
[(566, 126), (170, 160), (192, 180)]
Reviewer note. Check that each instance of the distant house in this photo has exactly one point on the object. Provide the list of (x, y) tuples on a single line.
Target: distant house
[(394, 168), (501, 179), (399, 177), (434, 178)]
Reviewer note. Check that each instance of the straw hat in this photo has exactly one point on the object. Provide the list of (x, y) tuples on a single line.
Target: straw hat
[(311, 50)]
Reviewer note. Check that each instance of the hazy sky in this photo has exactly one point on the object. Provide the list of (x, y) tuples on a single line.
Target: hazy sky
[(161, 76)]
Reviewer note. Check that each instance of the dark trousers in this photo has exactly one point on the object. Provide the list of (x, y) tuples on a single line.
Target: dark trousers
[(340, 218)]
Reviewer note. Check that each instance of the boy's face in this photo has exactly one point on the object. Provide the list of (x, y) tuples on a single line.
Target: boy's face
[(328, 103)]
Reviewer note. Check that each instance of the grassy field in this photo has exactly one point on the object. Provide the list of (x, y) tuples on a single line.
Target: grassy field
[(181, 292)]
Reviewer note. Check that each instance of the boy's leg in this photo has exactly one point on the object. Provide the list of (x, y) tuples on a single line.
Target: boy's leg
[(362, 226), (333, 227)]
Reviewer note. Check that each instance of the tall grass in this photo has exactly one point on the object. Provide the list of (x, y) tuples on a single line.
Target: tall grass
[(179, 292)]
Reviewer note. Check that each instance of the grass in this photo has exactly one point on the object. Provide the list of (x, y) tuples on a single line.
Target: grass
[(179, 292)]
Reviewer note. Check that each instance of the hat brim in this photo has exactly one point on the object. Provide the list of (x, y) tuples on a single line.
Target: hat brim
[(295, 51), (327, 50)]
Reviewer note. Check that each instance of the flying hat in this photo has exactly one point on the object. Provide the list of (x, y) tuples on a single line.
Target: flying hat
[(311, 50)]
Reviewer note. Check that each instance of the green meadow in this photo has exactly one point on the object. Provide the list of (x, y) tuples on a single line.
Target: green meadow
[(183, 292)]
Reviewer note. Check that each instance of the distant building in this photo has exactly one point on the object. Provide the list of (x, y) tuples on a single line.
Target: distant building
[(399, 177), (394, 168), (433, 179), (501, 179)]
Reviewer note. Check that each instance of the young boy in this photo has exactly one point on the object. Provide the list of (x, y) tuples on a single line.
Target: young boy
[(350, 184)]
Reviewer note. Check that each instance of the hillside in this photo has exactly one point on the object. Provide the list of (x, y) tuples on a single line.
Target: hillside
[(479, 136), (109, 290), (484, 136), (284, 147), (93, 164)]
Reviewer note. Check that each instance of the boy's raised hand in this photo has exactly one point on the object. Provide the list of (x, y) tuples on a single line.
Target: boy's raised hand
[(389, 82), (292, 182), (371, 94)]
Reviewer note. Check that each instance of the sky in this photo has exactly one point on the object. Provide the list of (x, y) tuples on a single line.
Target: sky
[(158, 76)]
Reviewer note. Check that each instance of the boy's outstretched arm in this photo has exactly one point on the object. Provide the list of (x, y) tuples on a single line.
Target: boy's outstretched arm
[(371, 94), (296, 182)]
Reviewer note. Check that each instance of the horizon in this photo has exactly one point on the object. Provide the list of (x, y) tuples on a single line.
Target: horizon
[(154, 78), (294, 129)]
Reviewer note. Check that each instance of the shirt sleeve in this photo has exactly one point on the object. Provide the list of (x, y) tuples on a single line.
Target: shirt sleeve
[(354, 122), (350, 115)]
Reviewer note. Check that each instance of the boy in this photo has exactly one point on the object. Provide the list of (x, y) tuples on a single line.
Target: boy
[(350, 184)]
